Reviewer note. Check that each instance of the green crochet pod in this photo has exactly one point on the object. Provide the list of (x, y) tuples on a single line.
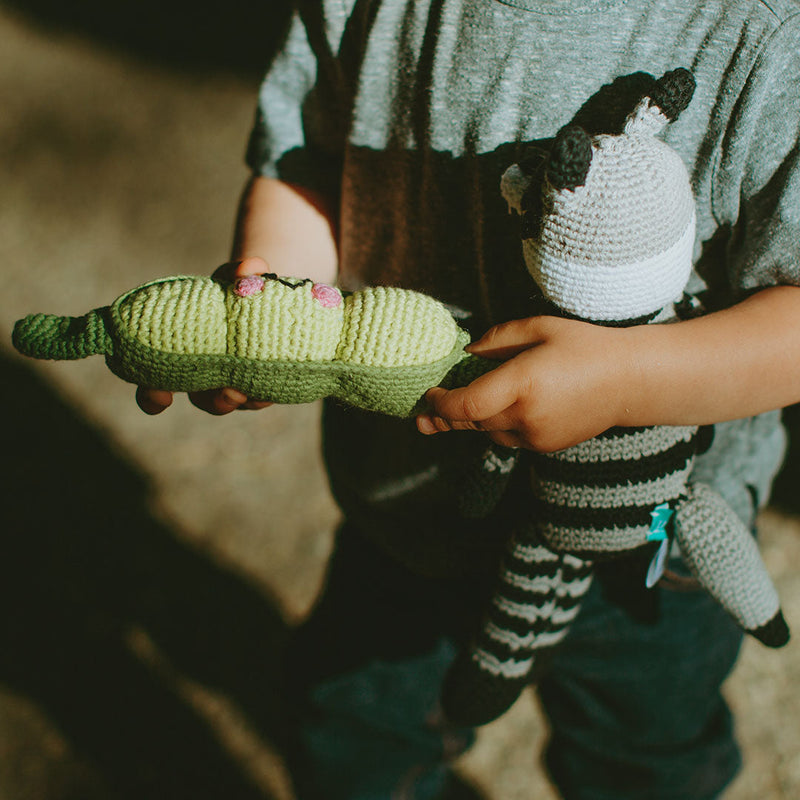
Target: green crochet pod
[(277, 339)]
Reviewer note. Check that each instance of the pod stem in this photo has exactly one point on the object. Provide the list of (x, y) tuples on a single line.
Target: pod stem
[(467, 370), (62, 338)]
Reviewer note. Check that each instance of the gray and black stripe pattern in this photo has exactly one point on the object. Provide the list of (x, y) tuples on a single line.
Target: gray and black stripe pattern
[(612, 245), (539, 596), (593, 500), (596, 501), (597, 498)]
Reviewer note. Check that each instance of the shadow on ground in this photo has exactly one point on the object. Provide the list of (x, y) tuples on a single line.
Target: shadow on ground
[(235, 35), (103, 605)]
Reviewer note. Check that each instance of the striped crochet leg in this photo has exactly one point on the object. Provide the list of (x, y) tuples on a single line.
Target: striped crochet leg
[(483, 483), (724, 557), (538, 596)]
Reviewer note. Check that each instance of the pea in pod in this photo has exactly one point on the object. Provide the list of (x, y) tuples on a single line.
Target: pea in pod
[(277, 339)]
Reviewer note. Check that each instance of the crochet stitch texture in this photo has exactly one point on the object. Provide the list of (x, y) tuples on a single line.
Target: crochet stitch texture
[(278, 339), (613, 246)]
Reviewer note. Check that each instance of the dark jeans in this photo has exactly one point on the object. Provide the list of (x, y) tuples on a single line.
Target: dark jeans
[(635, 710)]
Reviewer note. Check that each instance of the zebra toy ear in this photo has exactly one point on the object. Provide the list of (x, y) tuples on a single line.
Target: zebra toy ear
[(665, 102), (673, 92), (570, 159), (513, 186)]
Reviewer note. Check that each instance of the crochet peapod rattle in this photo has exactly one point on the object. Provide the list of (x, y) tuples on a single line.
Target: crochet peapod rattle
[(608, 237), (278, 339)]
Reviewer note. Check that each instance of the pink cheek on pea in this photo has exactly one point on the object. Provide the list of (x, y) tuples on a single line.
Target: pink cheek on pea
[(326, 296), (249, 285)]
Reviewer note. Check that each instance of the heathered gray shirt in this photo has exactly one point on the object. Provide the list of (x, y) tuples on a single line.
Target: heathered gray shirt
[(406, 113)]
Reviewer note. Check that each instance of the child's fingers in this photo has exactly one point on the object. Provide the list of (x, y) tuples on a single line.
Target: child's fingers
[(254, 405), (508, 439), (501, 428), (508, 339), (223, 401), (153, 401), (479, 406), (218, 401), (215, 401), (503, 423), (252, 265)]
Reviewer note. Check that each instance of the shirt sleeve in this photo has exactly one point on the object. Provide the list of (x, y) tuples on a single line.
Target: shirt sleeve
[(757, 181), (292, 136)]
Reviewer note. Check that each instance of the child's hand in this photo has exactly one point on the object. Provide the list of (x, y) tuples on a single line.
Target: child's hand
[(562, 382), (216, 401), (565, 381)]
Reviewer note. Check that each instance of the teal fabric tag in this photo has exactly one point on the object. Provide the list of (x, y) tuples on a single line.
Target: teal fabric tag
[(657, 565), (660, 515)]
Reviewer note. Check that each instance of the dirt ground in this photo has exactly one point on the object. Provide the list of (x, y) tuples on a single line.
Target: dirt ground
[(150, 568)]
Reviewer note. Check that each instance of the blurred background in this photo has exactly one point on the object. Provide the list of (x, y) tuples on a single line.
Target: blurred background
[(151, 568)]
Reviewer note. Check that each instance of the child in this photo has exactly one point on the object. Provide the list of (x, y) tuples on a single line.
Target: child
[(382, 132)]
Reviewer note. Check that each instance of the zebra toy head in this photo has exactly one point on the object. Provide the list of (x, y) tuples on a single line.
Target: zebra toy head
[(613, 236)]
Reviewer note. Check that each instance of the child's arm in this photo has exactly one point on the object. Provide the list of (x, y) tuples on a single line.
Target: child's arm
[(291, 230), (564, 381)]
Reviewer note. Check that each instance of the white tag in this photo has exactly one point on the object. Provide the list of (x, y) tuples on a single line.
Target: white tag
[(657, 565)]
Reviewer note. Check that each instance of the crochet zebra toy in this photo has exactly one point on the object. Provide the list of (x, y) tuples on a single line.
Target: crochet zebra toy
[(608, 238)]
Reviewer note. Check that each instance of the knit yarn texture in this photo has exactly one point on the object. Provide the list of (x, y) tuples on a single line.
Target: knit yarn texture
[(613, 246), (620, 245), (278, 339)]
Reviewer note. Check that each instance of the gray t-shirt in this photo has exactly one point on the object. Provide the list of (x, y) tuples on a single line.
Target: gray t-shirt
[(407, 112)]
